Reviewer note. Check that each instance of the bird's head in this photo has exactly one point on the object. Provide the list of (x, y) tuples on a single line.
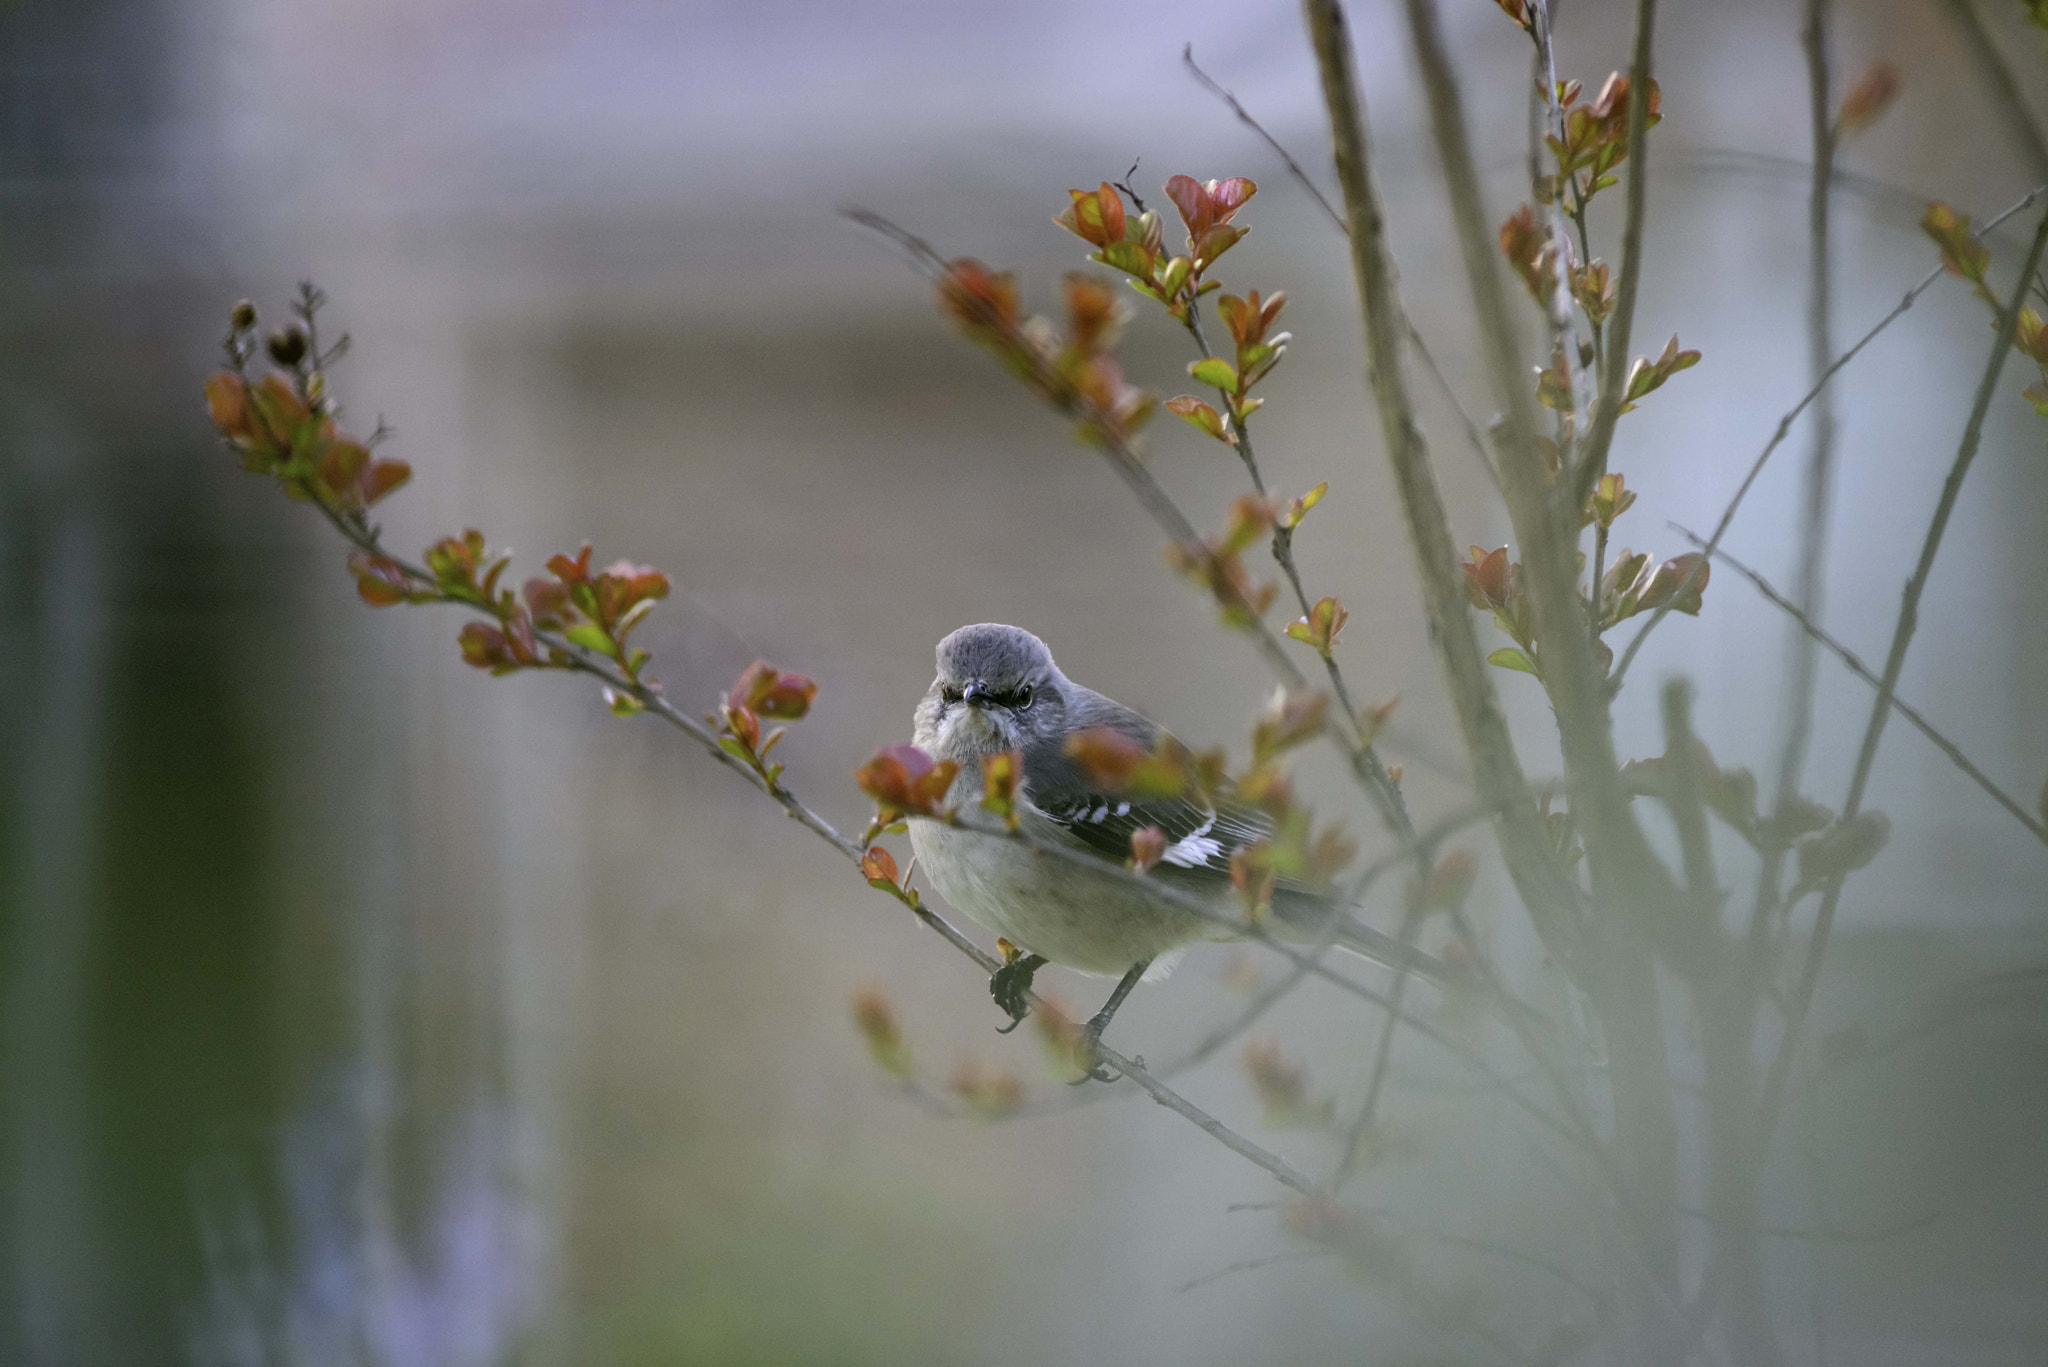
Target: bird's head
[(997, 689)]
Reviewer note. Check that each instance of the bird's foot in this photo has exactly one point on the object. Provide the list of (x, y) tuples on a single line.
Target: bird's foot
[(1008, 985), (1088, 1054)]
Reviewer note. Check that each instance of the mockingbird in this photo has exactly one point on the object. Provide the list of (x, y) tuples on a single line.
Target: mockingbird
[(998, 690)]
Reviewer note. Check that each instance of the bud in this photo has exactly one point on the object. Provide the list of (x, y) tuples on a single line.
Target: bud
[(288, 346), (243, 317)]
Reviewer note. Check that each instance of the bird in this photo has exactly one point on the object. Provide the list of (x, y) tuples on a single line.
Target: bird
[(997, 689)]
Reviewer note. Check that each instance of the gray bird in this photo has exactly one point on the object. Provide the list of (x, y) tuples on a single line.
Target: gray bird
[(998, 690)]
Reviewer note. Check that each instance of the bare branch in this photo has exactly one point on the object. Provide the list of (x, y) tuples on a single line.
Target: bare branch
[(1820, 347), (1292, 1255), (1855, 665), (2005, 91), (1881, 710), (1756, 468)]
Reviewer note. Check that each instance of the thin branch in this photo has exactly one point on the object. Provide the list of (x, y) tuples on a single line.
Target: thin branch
[(1270, 995), (1756, 468), (366, 539), (1422, 351), (1832, 1236), (1683, 795), (1619, 854), (1383, 1055), (1292, 1255), (1855, 665), (1820, 346), (2005, 91), (1614, 372), (1552, 898), (1365, 762), (1881, 710), (1564, 340)]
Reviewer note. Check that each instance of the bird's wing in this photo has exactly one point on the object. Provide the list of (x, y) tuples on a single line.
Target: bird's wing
[(1200, 837)]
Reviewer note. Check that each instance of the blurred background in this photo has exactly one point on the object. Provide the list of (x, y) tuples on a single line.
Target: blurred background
[(358, 1008)]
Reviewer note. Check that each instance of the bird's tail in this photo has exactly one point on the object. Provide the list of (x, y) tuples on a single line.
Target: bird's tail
[(1303, 918)]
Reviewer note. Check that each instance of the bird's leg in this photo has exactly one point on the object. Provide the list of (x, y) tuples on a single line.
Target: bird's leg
[(1091, 1034), (1008, 985)]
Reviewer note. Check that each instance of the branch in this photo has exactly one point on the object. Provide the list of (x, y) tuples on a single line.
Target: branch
[(1820, 459), (1436, 373), (367, 540), (1621, 859), (2005, 91), (1614, 373), (1881, 710), (1138, 477), (1365, 763), (1756, 468), (1855, 665), (1564, 338), (1551, 897)]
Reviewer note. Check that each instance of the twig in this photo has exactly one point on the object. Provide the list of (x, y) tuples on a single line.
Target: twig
[(1614, 372), (1136, 475), (1365, 762), (1422, 351), (1832, 1236), (1855, 665), (1615, 846), (1881, 710), (1269, 996), (1564, 340), (2005, 91), (1820, 346), (1292, 1255), (579, 660), (1551, 897), (1382, 1057), (1756, 468)]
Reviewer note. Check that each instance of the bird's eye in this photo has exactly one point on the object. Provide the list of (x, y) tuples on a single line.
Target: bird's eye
[(949, 693), (1022, 697)]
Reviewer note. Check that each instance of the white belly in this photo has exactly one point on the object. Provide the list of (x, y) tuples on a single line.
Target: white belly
[(1045, 905)]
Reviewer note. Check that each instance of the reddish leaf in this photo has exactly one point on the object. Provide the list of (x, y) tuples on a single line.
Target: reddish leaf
[(1148, 846)]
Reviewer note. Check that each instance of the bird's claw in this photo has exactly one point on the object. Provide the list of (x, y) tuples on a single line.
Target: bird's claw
[(1008, 985), (1088, 1056)]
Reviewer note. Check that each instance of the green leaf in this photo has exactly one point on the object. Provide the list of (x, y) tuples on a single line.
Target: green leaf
[(1215, 371), (591, 636), (1507, 657), (623, 704), (1128, 257)]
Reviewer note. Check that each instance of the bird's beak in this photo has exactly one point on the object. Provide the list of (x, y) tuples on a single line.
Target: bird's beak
[(976, 694)]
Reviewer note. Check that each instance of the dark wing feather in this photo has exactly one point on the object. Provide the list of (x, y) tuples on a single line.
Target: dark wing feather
[(1200, 837)]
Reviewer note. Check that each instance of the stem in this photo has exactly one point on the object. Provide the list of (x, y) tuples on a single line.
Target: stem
[(1422, 351), (1820, 460), (2005, 91), (1365, 761), (1881, 710), (1552, 898), (1855, 665), (1756, 468), (1614, 370)]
